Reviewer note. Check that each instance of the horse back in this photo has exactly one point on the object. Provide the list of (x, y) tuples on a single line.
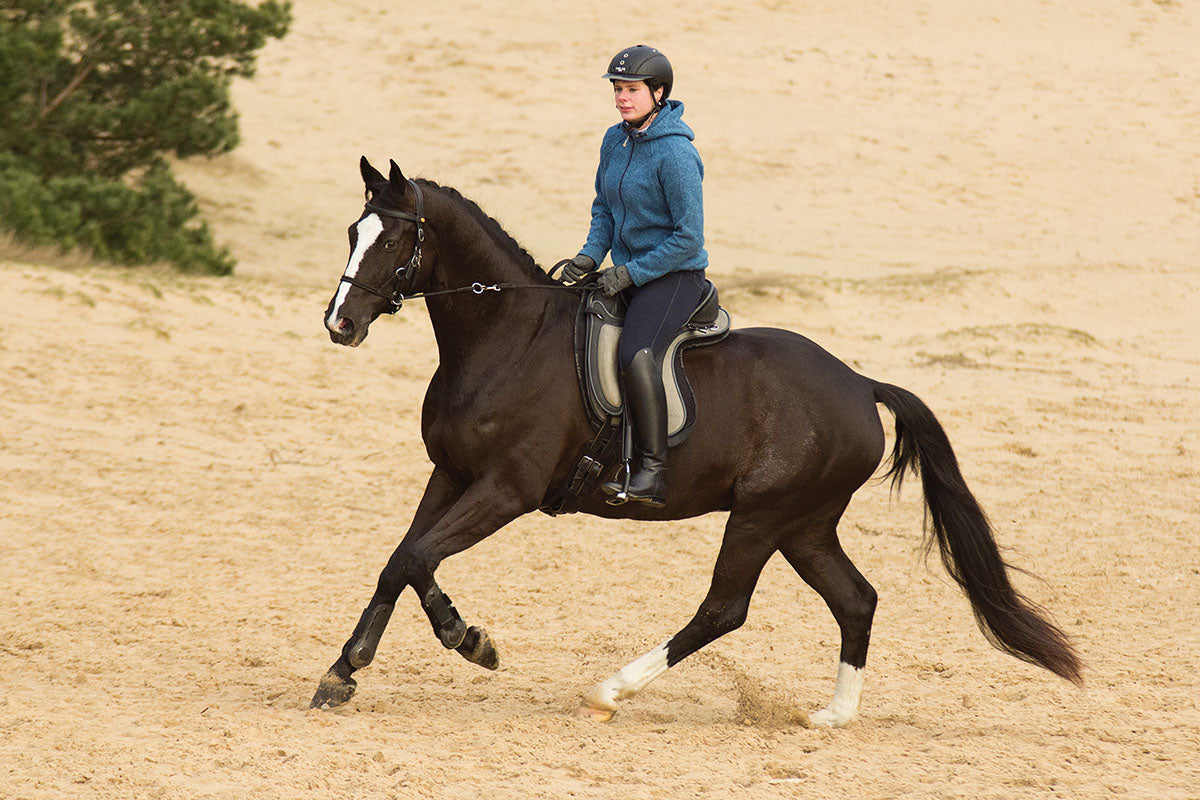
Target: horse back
[(781, 395)]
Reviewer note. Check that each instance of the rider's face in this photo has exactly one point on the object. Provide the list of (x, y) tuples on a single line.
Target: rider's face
[(633, 99)]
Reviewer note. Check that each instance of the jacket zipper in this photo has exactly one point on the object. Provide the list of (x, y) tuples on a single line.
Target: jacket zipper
[(620, 193)]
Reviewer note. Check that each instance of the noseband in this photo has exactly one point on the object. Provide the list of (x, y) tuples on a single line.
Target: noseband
[(391, 288)]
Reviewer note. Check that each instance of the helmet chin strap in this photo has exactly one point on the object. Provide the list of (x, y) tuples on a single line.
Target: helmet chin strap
[(638, 123)]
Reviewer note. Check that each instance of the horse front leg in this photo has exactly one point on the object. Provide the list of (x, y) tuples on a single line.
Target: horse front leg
[(472, 643), (474, 514), (337, 685)]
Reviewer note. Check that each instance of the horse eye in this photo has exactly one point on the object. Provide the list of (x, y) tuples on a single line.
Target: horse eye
[(389, 245)]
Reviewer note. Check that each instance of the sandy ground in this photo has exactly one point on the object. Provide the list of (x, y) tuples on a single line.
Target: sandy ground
[(996, 206)]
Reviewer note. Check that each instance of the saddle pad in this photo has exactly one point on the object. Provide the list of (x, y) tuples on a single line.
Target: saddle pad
[(597, 335)]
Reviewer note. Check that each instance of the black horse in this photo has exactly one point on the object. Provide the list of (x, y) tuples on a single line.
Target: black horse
[(785, 435)]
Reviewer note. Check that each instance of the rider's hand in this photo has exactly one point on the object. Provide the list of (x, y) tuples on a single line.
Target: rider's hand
[(574, 269), (615, 279)]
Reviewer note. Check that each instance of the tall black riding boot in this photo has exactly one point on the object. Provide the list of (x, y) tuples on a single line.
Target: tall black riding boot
[(646, 404)]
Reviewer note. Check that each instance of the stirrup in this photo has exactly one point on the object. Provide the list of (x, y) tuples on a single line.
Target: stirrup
[(618, 491), (655, 496)]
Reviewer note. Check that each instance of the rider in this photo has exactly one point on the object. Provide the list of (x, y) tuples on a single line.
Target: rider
[(649, 213)]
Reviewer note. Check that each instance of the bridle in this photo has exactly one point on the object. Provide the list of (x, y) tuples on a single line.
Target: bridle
[(391, 288)]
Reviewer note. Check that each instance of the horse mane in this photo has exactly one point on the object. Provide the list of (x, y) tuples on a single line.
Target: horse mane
[(493, 228)]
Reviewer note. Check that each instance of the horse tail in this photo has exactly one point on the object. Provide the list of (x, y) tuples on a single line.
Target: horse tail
[(953, 518)]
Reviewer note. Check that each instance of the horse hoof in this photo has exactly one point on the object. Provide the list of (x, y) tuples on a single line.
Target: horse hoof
[(333, 691), (827, 718), (477, 648), (595, 714)]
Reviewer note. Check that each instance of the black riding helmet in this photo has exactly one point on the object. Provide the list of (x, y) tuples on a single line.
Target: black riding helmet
[(643, 63)]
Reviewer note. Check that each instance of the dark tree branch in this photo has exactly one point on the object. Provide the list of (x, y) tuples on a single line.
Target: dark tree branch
[(79, 77)]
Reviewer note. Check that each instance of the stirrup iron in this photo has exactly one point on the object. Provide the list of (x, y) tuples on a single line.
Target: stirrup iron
[(622, 497)]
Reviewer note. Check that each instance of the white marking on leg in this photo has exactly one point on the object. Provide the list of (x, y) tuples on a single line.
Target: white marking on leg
[(369, 228), (630, 680), (843, 709)]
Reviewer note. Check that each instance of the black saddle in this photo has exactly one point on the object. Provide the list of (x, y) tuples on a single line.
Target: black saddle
[(597, 332)]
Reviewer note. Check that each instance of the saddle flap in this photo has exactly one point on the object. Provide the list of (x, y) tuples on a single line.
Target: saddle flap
[(681, 402), (602, 321), (600, 324)]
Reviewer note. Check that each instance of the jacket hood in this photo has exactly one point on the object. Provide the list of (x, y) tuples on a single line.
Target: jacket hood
[(669, 122)]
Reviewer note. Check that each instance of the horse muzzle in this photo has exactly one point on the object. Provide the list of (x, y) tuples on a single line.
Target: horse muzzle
[(344, 331)]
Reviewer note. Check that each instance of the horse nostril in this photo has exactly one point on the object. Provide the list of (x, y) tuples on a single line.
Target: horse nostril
[(341, 327)]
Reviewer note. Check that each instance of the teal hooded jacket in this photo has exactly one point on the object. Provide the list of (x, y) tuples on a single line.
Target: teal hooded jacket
[(649, 207)]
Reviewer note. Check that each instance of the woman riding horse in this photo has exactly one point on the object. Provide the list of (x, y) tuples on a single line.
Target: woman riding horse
[(787, 435), (649, 213)]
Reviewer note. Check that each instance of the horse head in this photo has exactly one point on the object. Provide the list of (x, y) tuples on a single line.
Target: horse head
[(385, 255)]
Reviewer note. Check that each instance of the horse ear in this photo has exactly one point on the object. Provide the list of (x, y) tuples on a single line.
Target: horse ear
[(396, 178), (372, 178)]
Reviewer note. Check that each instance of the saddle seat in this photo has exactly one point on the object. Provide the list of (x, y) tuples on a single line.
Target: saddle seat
[(598, 332)]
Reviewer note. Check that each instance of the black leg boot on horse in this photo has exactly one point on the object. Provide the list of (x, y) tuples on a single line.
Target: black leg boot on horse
[(646, 405)]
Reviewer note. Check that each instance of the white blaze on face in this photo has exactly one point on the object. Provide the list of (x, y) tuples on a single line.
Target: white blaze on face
[(369, 228)]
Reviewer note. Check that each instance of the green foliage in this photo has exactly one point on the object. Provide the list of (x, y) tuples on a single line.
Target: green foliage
[(92, 96), (153, 220)]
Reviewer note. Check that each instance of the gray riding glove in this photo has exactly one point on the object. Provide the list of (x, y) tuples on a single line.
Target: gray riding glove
[(575, 268), (615, 279)]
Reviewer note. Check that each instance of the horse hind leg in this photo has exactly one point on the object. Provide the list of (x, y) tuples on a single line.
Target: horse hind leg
[(818, 558), (744, 552)]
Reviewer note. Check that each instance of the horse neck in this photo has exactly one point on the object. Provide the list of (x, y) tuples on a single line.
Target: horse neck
[(490, 326)]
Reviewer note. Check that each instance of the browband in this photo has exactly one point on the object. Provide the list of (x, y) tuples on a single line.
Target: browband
[(418, 217)]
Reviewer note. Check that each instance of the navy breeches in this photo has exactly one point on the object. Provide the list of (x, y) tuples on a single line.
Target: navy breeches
[(657, 311)]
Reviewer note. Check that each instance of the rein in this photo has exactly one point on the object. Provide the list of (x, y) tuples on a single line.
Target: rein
[(396, 297), (479, 288)]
